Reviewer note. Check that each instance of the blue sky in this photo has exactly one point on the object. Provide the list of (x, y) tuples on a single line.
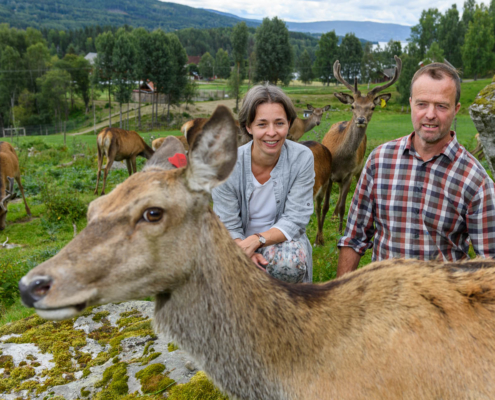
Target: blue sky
[(393, 11)]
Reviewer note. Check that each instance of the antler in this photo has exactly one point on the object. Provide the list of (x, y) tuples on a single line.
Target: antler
[(398, 68), (10, 193), (338, 76)]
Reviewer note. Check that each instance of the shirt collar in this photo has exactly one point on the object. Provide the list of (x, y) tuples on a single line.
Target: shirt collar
[(449, 150)]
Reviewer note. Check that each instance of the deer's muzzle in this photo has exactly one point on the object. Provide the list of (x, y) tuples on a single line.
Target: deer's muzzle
[(34, 291)]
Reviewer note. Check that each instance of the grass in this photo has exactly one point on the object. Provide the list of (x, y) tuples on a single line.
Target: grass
[(43, 235)]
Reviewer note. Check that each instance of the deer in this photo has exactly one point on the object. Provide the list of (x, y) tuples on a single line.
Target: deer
[(301, 126), (117, 145), (394, 329), (346, 140), (155, 145), (321, 188), (191, 128), (9, 171)]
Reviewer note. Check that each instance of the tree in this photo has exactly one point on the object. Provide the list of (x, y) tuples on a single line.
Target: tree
[(11, 84), (104, 66), (468, 13), (477, 51), (54, 86), (179, 79), (273, 52), (350, 55), (234, 86), (305, 68), (142, 64), (190, 91), (434, 53), (207, 66), (80, 75), (240, 37), (392, 48), (37, 61), (222, 64), (425, 33), (326, 55), (123, 68), (162, 69), (450, 35), (410, 59), (370, 64)]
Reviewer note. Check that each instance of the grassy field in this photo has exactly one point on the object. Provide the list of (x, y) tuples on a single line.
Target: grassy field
[(58, 195)]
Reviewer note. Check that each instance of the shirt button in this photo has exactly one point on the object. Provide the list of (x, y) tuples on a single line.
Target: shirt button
[(308, 204)]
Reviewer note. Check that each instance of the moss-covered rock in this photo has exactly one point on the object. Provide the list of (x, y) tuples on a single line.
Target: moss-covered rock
[(200, 387), (109, 352)]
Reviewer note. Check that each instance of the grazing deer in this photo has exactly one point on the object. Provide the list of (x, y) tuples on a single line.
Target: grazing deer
[(321, 189), (9, 170), (346, 140), (117, 145), (301, 126), (155, 145), (392, 330)]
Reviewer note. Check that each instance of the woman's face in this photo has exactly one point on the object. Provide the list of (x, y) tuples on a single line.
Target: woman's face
[(269, 128)]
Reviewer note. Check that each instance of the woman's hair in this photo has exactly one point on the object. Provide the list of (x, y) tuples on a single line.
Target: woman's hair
[(261, 94)]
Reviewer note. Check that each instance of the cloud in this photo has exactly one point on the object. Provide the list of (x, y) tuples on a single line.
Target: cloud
[(394, 11)]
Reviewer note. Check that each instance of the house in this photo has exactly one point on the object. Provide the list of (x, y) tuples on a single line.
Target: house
[(193, 60), (147, 90), (91, 57)]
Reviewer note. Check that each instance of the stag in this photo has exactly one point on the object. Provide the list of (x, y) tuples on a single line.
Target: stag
[(321, 188), (392, 330), (301, 126), (346, 140), (9, 170), (117, 145)]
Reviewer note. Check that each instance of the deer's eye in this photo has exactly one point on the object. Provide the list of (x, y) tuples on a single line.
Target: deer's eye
[(372, 108), (153, 214)]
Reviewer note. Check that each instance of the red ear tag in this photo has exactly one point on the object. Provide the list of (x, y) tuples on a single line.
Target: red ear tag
[(179, 160)]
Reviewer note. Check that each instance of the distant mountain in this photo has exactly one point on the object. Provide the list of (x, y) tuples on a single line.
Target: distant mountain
[(71, 14), (370, 31), (152, 14)]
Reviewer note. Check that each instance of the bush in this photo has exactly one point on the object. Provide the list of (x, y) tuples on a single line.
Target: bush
[(186, 115), (38, 144), (62, 203)]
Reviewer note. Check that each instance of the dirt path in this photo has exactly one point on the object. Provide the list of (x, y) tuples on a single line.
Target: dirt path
[(198, 109)]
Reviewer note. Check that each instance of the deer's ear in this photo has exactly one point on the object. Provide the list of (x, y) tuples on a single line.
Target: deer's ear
[(326, 108), (384, 96), (344, 97), (309, 107), (213, 154), (170, 146)]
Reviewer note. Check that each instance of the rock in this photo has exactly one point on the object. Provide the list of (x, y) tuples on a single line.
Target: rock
[(71, 357), (482, 112)]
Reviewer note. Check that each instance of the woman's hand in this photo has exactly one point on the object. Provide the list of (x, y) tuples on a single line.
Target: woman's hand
[(249, 245), (260, 261)]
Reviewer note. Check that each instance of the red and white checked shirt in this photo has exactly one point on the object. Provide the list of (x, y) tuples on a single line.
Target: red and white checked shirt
[(422, 209)]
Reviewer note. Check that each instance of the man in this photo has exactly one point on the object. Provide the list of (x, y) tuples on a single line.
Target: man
[(422, 196)]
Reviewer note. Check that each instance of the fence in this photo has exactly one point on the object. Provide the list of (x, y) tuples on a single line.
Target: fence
[(205, 95)]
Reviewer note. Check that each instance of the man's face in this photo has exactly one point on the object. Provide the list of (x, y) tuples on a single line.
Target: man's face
[(433, 109)]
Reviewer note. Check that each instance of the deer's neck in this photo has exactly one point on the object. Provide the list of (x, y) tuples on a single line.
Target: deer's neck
[(353, 137), (248, 332)]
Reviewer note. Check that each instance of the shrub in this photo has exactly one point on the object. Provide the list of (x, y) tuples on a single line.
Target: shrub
[(62, 203), (186, 114), (37, 143)]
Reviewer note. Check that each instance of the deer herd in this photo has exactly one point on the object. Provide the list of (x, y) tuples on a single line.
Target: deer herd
[(398, 329)]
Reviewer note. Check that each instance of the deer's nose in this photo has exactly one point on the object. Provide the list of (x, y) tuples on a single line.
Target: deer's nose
[(318, 123), (35, 290), (361, 120)]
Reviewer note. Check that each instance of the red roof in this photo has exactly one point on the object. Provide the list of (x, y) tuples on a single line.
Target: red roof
[(193, 59)]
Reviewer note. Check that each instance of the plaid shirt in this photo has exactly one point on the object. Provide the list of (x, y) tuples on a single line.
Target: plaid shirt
[(422, 209)]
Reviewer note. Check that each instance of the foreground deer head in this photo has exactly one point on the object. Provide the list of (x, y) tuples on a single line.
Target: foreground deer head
[(363, 106), (164, 210)]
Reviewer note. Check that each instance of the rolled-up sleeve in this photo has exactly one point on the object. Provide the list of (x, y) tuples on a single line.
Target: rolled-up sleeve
[(299, 203), (360, 226), (227, 205), (480, 220)]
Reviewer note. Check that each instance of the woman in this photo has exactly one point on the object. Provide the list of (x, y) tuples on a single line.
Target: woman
[(267, 201)]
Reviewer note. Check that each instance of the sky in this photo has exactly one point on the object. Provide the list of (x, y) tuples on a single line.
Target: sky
[(393, 11)]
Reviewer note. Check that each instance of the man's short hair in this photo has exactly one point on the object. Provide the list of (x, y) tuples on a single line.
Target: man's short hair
[(261, 94), (438, 71)]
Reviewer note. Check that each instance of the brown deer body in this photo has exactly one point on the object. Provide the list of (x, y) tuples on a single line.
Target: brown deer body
[(155, 145), (117, 145), (301, 126), (346, 140), (192, 128), (9, 170), (321, 189), (392, 330)]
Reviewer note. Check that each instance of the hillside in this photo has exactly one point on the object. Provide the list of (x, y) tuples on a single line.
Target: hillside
[(152, 14), (71, 14)]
